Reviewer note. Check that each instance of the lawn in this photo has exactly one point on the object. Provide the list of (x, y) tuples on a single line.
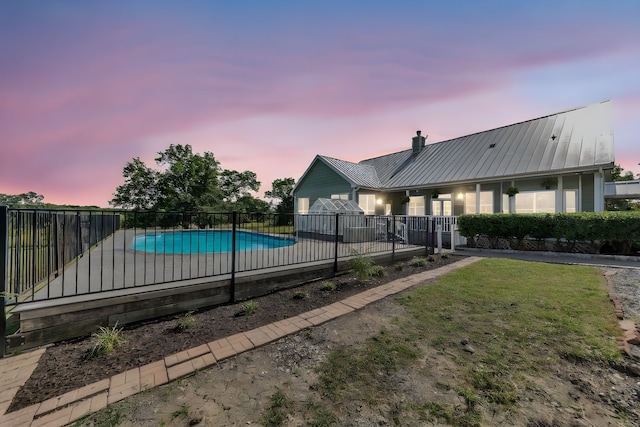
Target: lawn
[(518, 318)]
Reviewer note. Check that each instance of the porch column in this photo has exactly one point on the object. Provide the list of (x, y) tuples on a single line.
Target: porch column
[(598, 191), (560, 202)]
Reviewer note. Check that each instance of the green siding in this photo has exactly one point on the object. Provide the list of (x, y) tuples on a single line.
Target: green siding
[(321, 182), (587, 193)]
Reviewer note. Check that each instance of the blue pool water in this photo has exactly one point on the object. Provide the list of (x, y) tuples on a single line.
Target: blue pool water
[(205, 241)]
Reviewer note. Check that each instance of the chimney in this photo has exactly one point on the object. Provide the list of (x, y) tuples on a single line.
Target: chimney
[(418, 142)]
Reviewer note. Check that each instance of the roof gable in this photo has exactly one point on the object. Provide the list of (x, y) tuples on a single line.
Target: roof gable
[(360, 175)]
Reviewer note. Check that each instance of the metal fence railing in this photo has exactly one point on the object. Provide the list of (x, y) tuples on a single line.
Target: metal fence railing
[(50, 254)]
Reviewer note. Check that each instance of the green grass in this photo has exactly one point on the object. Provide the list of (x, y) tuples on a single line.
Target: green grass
[(544, 309), (265, 227), (368, 365), (280, 406), (111, 416), (520, 317), (183, 412)]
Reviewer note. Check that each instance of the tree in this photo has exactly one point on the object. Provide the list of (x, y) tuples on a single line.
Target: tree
[(185, 181), (236, 185), (250, 204), (24, 200), (190, 181), (622, 204), (616, 174), (140, 188), (283, 189)]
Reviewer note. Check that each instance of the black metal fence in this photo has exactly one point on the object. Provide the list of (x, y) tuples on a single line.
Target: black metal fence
[(50, 254)]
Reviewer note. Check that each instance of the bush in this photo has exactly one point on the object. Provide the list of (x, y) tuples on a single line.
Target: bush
[(364, 268), (184, 322), (616, 231), (105, 341), (327, 286)]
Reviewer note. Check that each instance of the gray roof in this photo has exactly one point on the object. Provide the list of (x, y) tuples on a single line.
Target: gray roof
[(361, 175), (574, 140), (571, 141)]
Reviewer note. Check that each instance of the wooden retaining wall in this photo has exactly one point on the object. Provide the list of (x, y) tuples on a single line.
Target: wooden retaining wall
[(46, 322)]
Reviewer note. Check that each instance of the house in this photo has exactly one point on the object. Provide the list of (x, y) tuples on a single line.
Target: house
[(555, 163)]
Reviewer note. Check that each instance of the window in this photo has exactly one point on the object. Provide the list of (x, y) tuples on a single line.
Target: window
[(367, 203), (340, 196), (416, 206), (442, 205), (536, 201), (303, 205), (486, 202), (570, 200)]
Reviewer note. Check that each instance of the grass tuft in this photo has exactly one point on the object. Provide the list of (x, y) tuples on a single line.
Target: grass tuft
[(300, 294), (247, 308), (184, 322), (328, 286), (106, 340), (279, 407)]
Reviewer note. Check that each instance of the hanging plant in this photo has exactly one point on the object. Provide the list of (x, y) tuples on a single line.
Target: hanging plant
[(435, 194), (547, 183), (512, 191), (404, 200)]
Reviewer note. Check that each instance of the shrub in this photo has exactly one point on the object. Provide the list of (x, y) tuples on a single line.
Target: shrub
[(364, 268), (184, 322), (326, 285), (105, 341), (300, 295), (249, 307), (418, 261)]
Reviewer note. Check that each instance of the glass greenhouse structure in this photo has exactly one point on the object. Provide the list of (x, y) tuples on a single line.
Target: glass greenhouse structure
[(353, 224)]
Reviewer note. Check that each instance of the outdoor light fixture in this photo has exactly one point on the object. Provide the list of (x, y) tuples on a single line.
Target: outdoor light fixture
[(460, 196), (379, 201)]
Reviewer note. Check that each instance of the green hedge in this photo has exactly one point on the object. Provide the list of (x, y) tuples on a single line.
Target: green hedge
[(620, 230)]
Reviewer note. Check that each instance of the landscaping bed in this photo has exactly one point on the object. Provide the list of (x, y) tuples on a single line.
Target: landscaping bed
[(64, 366)]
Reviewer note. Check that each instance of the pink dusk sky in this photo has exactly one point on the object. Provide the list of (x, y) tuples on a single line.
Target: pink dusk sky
[(86, 86)]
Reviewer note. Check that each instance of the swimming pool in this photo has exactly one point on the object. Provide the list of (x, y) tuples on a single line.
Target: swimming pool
[(206, 241)]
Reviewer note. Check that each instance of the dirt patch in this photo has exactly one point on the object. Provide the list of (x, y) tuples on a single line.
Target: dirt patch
[(63, 366)]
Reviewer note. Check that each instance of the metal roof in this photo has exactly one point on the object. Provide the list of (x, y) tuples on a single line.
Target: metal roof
[(574, 140), (335, 206), (361, 175)]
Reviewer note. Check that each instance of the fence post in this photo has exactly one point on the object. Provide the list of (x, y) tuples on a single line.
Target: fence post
[(335, 251), (4, 251), (393, 238), (234, 217)]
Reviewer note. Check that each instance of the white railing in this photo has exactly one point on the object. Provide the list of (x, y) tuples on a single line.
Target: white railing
[(622, 189)]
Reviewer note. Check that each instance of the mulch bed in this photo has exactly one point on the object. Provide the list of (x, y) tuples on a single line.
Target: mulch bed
[(64, 367)]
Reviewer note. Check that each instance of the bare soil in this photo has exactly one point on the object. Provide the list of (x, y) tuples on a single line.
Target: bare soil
[(238, 391)]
